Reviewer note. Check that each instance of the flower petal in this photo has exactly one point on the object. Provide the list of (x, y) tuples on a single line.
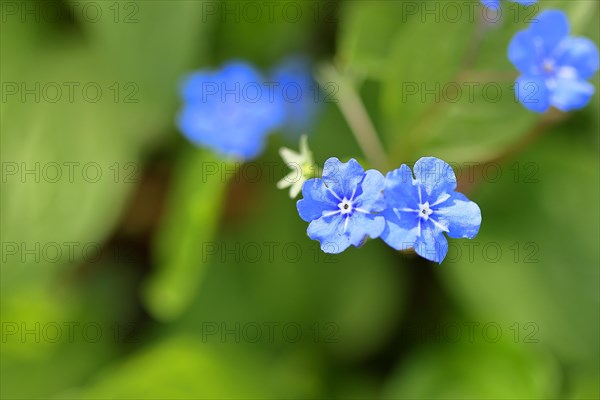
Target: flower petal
[(336, 234), (435, 176), (549, 27), (342, 178), (362, 225), (532, 93), (400, 190), (579, 53), (460, 215), (317, 200), (291, 158), (295, 87), (245, 142), (288, 180), (523, 53), (400, 233), (296, 188), (570, 94), (431, 244), (329, 232), (369, 196)]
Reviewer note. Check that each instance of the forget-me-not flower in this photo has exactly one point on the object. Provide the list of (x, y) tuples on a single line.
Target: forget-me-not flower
[(422, 208), (230, 110), (299, 93), (554, 66), (342, 206)]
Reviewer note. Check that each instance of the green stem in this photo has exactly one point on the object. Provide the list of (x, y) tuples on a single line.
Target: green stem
[(581, 15), (355, 114)]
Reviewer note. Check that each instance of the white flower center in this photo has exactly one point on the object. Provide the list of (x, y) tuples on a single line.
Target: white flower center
[(345, 206), (425, 211), (548, 66)]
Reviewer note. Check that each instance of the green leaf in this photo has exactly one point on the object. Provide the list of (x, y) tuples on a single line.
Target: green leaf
[(366, 32), (147, 47), (536, 256), (446, 83), (84, 160), (192, 217), (59, 332), (263, 33), (263, 268), (182, 366), (474, 371)]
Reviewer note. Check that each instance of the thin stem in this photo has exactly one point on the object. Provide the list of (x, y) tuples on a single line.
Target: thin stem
[(355, 114)]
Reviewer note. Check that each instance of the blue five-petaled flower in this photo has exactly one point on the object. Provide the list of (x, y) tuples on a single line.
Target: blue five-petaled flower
[(348, 205), (554, 66), (422, 208), (341, 207), (229, 110)]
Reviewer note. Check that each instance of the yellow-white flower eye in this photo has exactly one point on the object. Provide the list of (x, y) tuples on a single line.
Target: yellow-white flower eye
[(302, 166)]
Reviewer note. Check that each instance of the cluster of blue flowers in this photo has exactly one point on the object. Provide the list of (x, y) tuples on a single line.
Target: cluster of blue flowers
[(347, 205), (233, 109)]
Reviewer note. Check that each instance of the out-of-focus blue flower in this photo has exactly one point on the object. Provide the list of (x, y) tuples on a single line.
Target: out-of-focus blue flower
[(295, 86), (421, 208), (554, 66), (340, 206), (230, 110), (496, 3)]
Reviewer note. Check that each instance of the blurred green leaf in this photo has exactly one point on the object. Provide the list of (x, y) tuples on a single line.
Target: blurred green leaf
[(193, 213), (75, 158), (474, 371), (584, 383), (59, 333), (262, 271), (149, 46), (366, 32), (264, 33), (547, 268), (185, 367)]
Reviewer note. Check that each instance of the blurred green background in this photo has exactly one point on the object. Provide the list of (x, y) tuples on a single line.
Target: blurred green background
[(134, 274)]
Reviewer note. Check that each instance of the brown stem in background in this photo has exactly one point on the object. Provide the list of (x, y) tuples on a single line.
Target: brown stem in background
[(553, 116)]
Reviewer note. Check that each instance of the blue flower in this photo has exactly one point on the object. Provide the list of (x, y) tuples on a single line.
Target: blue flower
[(340, 207), (421, 208), (496, 3), (554, 66), (229, 111), (299, 92)]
